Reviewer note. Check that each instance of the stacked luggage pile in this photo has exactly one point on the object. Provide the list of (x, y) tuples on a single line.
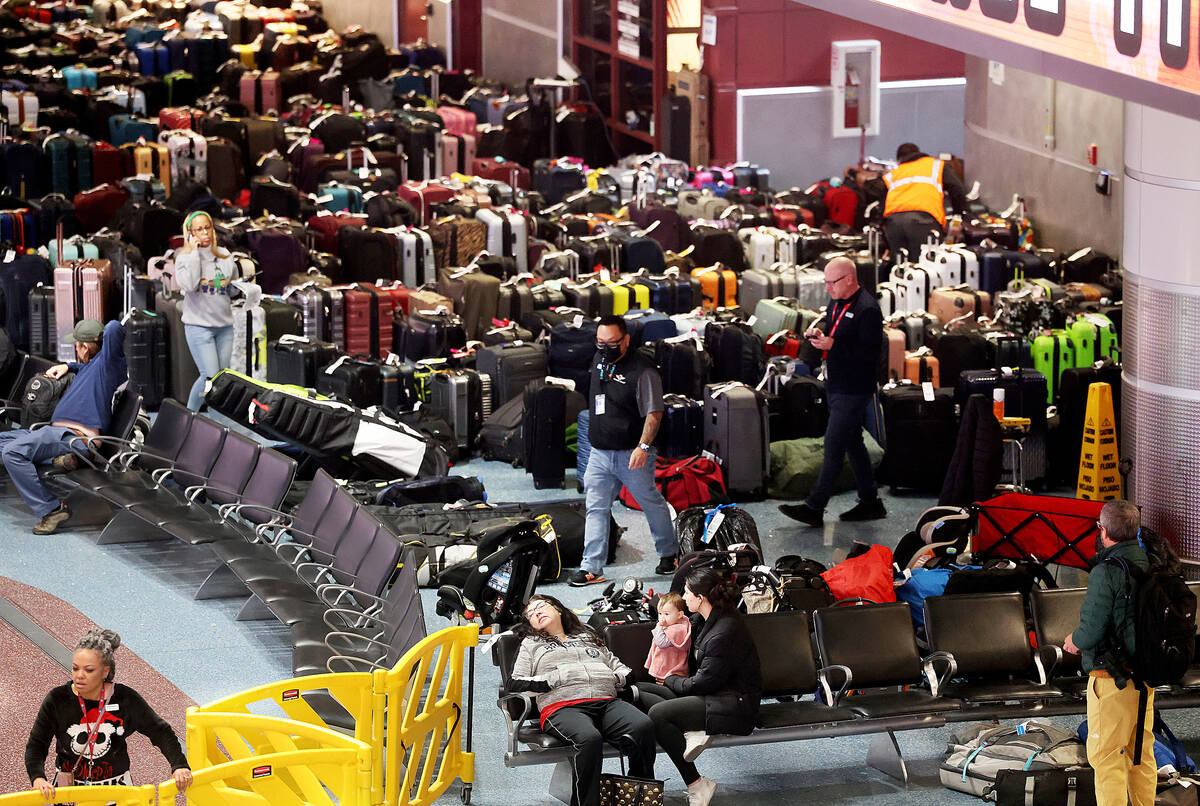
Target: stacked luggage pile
[(405, 237)]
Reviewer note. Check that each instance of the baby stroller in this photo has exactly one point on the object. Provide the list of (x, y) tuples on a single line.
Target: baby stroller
[(497, 585)]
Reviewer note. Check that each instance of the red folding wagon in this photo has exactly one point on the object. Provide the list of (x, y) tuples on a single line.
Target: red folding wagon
[(1044, 528)]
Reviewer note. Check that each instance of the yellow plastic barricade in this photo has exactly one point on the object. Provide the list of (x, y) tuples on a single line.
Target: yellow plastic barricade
[(85, 796), (425, 719), (217, 738), (352, 691), (281, 779)]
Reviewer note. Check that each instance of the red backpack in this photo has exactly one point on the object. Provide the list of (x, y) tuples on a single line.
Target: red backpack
[(685, 483)]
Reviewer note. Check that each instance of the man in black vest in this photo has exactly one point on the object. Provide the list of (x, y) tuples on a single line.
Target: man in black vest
[(625, 409), (850, 338)]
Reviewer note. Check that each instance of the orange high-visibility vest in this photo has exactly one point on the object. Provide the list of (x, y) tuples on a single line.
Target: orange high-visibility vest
[(916, 185)]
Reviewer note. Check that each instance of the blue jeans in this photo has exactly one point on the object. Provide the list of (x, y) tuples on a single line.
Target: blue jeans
[(843, 437), (606, 472), (212, 350), (23, 451)]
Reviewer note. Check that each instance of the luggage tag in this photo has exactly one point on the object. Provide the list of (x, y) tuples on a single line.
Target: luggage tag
[(599, 404), (927, 390)]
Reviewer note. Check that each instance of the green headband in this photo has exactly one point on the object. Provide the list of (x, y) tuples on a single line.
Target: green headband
[(187, 222)]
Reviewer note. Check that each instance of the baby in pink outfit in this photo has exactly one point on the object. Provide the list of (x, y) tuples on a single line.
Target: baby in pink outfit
[(671, 639)]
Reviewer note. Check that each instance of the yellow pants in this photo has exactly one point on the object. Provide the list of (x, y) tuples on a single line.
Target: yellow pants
[(1112, 721)]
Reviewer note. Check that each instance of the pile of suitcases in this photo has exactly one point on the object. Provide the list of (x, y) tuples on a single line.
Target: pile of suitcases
[(405, 237)]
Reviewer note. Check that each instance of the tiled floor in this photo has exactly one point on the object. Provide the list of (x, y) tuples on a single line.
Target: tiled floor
[(144, 591)]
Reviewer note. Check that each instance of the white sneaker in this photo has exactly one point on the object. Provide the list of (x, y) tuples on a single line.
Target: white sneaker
[(700, 791), (694, 743)]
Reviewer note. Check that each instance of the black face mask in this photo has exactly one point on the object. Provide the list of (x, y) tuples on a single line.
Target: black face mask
[(1099, 545), (609, 353)]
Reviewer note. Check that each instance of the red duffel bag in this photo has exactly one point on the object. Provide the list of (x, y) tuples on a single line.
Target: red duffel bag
[(685, 483), (867, 576)]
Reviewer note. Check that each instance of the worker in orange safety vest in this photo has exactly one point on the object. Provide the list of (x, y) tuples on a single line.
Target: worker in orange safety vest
[(915, 207)]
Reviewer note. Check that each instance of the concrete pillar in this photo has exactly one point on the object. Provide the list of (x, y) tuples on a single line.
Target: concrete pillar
[(1161, 349)]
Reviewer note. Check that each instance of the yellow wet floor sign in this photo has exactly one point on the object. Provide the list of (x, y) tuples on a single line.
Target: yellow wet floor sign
[(1099, 479)]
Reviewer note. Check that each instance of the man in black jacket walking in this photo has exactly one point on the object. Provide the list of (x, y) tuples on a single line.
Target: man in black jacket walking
[(850, 338)]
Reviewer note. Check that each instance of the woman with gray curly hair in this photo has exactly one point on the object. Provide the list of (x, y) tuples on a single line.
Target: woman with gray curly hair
[(90, 719)]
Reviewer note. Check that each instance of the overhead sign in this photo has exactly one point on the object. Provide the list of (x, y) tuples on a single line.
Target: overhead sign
[(1151, 40)]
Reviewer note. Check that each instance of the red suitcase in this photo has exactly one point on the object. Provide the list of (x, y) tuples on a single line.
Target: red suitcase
[(174, 117), (501, 171), (108, 164), (324, 227), (423, 195), (386, 302), (367, 332)]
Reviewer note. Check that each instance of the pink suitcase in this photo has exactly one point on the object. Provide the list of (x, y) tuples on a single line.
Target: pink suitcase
[(448, 154), (64, 311), (457, 121)]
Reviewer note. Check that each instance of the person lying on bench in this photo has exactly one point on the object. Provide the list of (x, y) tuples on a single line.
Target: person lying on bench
[(576, 679), (84, 411), (720, 694)]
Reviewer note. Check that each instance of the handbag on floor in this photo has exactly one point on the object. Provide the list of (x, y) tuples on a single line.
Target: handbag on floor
[(621, 790)]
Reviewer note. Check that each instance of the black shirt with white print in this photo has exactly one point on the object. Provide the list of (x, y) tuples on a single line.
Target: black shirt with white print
[(61, 719)]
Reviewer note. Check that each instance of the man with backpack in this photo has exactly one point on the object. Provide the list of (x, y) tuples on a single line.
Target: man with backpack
[(1106, 639), (84, 411)]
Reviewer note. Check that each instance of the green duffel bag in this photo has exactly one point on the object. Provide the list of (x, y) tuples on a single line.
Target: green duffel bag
[(796, 463)]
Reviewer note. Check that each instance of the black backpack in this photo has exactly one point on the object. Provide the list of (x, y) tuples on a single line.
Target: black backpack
[(41, 397), (1165, 620)]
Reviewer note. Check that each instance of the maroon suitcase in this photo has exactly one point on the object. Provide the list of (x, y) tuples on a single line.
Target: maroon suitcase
[(367, 332)]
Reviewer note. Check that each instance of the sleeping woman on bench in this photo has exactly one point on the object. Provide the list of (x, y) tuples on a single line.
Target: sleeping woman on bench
[(720, 694), (576, 679)]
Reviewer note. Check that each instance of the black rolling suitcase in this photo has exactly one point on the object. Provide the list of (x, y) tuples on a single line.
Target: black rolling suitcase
[(545, 430), (572, 347), (183, 366), (351, 380), (512, 367), (684, 365), (398, 385), (1024, 396), (682, 432), (146, 356), (921, 435), (297, 360), (804, 411), (1067, 440), (43, 338), (457, 397)]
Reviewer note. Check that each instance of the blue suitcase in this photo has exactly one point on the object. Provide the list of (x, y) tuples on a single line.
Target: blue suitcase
[(648, 326)]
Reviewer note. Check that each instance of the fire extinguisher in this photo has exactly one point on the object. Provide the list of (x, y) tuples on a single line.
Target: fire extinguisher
[(850, 111)]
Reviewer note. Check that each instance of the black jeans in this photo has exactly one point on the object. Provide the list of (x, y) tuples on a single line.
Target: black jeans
[(672, 715), (909, 231), (843, 437), (587, 725)]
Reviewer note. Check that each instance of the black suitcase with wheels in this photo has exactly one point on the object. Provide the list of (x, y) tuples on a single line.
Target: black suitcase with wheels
[(183, 366), (682, 432), (921, 435), (353, 381), (512, 367), (545, 430), (43, 339), (298, 360), (146, 356)]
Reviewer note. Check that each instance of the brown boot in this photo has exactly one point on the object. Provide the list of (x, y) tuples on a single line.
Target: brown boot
[(50, 523)]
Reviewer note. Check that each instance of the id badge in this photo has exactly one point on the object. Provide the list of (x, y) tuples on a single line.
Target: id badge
[(599, 404)]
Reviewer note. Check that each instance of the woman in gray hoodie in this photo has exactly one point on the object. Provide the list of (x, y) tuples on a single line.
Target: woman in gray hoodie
[(576, 679), (205, 274)]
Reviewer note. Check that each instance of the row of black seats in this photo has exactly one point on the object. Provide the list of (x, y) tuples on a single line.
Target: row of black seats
[(328, 570), (856, 670)]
